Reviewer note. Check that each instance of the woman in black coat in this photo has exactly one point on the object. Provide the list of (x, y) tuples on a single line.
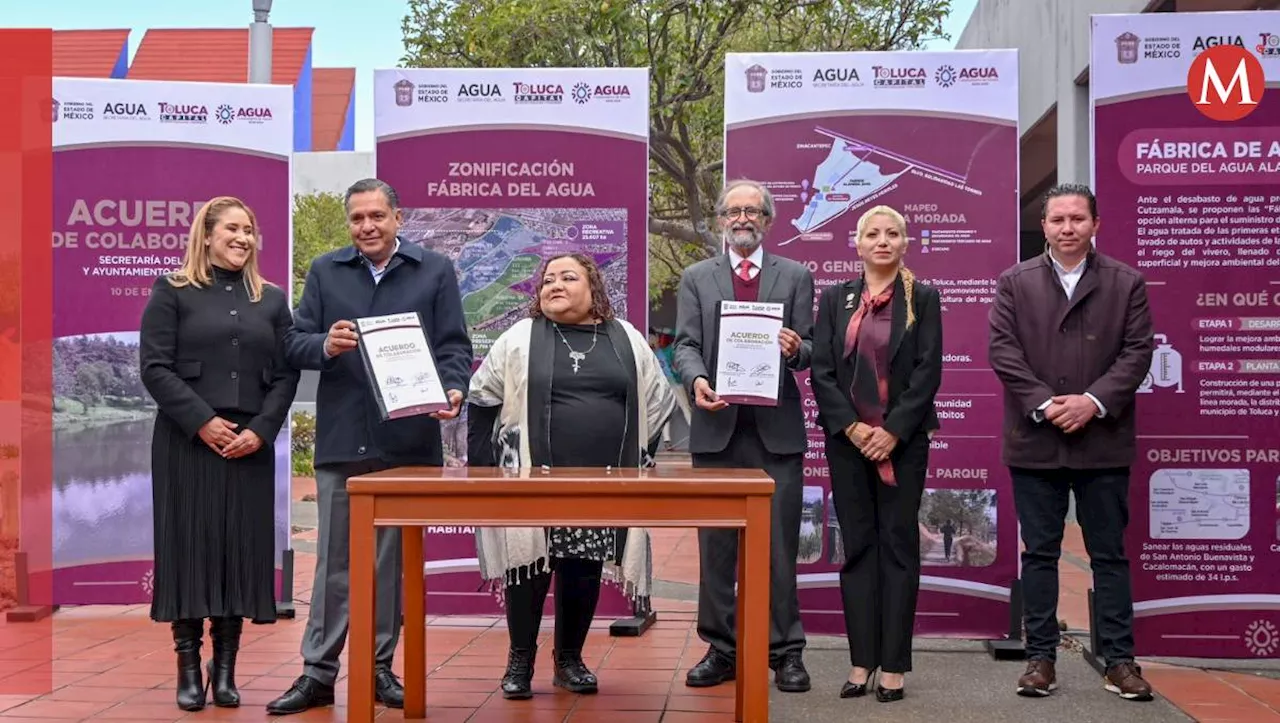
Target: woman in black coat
[(211, 348), (877, 365)]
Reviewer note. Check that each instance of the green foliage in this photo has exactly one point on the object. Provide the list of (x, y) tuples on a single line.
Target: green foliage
[(967, 510), (303, 444), (683, 42), (96, 370), (810, 547), (319, 226)]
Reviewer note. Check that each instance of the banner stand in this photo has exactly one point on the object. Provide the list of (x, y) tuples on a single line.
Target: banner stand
[(635, 626), (284, 605), (1012, 647), (499, 169), (1090, 651), (23, 611), (842, 132)]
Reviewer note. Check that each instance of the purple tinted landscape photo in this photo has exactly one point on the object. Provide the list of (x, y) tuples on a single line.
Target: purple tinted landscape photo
[(103, 420)]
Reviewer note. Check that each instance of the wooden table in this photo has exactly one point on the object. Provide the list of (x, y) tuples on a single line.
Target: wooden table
[(485, 496)]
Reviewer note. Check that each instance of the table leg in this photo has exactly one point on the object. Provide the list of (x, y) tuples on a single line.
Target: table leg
[(361, 600), (415, 624), (753, 606)]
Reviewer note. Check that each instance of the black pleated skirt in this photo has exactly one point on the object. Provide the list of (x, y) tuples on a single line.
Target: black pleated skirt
[(214, 523)]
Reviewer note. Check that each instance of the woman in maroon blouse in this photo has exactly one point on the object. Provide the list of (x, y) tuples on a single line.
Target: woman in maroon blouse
[(877, 364)]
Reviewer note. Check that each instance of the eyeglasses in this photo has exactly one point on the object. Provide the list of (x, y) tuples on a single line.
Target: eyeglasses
[(751, 212)]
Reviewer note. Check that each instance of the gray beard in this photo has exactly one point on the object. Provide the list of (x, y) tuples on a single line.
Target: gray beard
[(744, 247)]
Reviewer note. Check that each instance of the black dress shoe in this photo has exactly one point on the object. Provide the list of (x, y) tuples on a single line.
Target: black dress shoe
[(387, 689), (573, 675), (517, 682), (714, 668), (889, 695), (790, 675), (853, 690), (306, 693)]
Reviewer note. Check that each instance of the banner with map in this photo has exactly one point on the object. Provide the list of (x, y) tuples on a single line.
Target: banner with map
[(133, 162), (498, 169), (935, 136), (1185, 160)]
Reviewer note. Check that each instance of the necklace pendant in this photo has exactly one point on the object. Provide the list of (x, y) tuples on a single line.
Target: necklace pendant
[(577, 357)]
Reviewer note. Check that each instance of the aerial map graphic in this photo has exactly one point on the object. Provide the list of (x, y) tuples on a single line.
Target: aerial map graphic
[(499, 251), (853, 171), (1199, 504)]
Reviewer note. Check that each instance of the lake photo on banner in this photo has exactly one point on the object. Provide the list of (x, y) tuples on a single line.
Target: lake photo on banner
[(102, 516)]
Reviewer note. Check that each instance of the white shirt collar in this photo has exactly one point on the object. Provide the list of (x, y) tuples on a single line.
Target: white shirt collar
[(756, 258), (1061, 269)]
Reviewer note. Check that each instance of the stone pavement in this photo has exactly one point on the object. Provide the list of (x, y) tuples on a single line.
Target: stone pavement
[(112, 663)]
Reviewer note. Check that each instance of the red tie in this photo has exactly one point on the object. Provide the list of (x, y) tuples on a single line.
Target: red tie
[(744, 270)]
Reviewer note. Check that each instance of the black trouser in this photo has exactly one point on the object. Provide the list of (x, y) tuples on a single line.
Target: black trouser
[(718, 548), (577, 592), (1102, 507), (879, 524)]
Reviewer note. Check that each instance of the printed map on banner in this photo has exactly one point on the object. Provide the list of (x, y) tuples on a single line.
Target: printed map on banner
[(499, 251), (1199, 504), (853, 173)]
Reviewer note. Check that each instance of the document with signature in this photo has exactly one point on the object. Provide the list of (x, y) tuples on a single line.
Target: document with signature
[(749, 360), (400, 365)]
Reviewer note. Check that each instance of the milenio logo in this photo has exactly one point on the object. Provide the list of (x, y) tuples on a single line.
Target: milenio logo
[(1225, 82)]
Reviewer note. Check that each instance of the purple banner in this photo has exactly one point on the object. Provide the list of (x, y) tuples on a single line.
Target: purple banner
[(954, 178), (1194, 205), (497, 202), (122, 214)]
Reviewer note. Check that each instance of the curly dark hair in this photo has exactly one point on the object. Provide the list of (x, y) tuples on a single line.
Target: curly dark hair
[(600, 307)]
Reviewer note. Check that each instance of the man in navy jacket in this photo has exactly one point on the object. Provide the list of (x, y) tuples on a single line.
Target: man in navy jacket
[(377, 275)]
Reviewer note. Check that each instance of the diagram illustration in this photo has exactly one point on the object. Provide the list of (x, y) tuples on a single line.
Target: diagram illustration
[(1166, 368), (853, 171)]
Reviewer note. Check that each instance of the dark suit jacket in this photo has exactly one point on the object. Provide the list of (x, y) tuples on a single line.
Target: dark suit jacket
[(1043, 345), (915, 361), (205, 351), (340, 286), (702, 287)]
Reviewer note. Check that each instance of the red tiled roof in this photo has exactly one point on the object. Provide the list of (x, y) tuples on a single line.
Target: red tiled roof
[(219, 55), (330, 96), (87, 53)]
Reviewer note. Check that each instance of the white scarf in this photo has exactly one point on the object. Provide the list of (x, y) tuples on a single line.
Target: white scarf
[(509, 555)]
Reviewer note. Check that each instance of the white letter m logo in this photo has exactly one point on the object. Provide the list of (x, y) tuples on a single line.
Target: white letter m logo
[(1241, 76)]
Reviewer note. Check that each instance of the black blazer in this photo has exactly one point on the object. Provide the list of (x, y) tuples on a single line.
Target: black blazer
[(205, 351), (915, 361), (340, 285)]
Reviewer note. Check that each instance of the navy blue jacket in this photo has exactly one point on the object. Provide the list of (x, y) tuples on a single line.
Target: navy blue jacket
[(340, 286)]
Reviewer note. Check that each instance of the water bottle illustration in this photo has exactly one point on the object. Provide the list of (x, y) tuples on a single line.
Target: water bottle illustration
[(1166, 368)]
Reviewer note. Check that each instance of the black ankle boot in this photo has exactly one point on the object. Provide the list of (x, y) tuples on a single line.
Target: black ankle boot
[(186, 643), (517, 683), (222, 669), (572, 674)]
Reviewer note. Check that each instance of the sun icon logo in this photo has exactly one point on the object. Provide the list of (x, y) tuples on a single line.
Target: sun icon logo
[(581, 93), (1261, 638), (946, 76), (149, 581), (225, 114)]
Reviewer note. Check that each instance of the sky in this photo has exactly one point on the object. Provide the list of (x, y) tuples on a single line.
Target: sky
[(364, 34)]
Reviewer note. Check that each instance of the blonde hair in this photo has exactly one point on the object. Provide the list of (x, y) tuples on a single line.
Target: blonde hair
[(197, 269), (908, 277)]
